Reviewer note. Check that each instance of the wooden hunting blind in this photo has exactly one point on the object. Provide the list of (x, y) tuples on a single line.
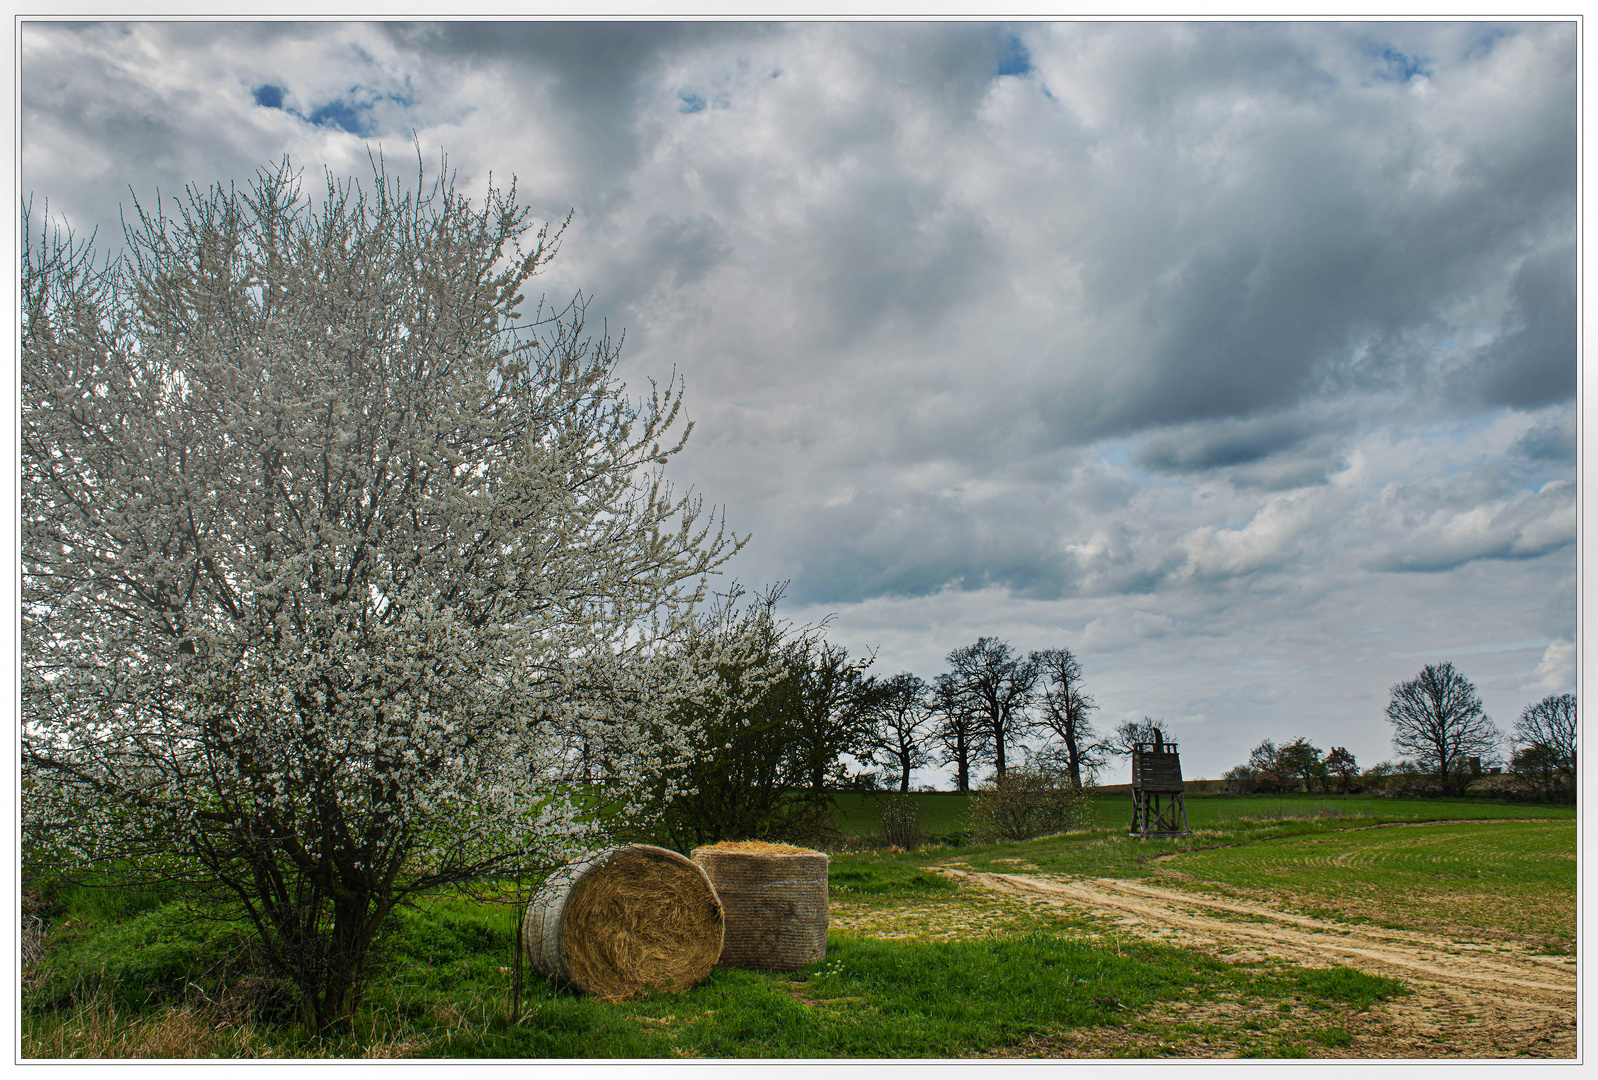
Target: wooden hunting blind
[(1158, 809)]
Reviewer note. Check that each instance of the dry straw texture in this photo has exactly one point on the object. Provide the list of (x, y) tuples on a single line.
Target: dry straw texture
[(628, 920), (775, 899), (756, 846)]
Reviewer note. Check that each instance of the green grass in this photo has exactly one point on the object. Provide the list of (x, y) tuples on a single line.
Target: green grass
[(866, 876), (943, 813), (1483, 879), (126, 973), (447, 983), (1488, 879)]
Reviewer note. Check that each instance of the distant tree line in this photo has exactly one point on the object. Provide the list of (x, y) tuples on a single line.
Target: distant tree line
[(781, 717), (780, 713), (1449, 745)]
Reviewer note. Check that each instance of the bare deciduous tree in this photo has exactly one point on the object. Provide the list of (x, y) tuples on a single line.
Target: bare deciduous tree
[(1545, 741), (1130, 733), (996, 686), (331, 559), (961, 732), (1438, 719), (900, 735), (1065, 712)]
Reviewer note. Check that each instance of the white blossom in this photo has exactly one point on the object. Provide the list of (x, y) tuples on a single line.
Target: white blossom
[(335, 561)]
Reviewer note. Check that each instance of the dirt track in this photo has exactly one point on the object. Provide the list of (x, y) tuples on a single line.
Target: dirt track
[(1469, 1000)]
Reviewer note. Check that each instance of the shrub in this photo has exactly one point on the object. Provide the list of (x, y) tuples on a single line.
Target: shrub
[(901, 822), (1025, 802)]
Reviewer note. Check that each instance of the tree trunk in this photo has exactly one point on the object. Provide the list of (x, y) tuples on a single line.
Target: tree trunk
[(330, 1001)]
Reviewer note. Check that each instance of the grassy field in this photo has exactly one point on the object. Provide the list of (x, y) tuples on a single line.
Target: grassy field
[(916, 966), (137, 986), (943, 813), (1488, 881)]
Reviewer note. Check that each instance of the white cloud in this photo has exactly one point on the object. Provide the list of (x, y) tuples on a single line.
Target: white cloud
[(1556, 672)]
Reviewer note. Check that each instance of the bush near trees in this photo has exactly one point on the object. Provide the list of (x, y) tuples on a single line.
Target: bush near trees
[(1023, 802), (333, 559), (900, 819), (1398, 778)]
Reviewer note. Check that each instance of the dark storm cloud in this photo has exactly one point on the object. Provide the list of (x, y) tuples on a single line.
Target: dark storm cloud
[(1221, 444), (595, 72), (1318, 238), (668, 253), (894, 543), (1533, 361), (1553, 439), (892, 251)]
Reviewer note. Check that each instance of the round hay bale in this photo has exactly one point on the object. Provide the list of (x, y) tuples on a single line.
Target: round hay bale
[(774, 897), (626, 920)]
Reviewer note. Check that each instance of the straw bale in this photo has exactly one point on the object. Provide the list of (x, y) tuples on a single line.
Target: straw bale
[(757, 846), (625, 921), (774, 898)]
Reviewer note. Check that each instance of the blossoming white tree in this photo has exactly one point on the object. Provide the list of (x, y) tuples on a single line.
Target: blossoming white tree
[(332, 561)]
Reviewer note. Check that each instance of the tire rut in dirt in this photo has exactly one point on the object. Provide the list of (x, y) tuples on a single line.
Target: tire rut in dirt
[(1511, 1003)]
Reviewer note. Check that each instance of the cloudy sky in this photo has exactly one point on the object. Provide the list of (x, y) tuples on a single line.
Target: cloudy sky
[(1238, 359)]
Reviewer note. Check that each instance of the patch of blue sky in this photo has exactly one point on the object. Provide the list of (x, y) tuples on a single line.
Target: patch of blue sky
[(1013, 57), (342, 115), (1118, 454), (351, 114), (1124, 454), (1398, 66), (689, 102)]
